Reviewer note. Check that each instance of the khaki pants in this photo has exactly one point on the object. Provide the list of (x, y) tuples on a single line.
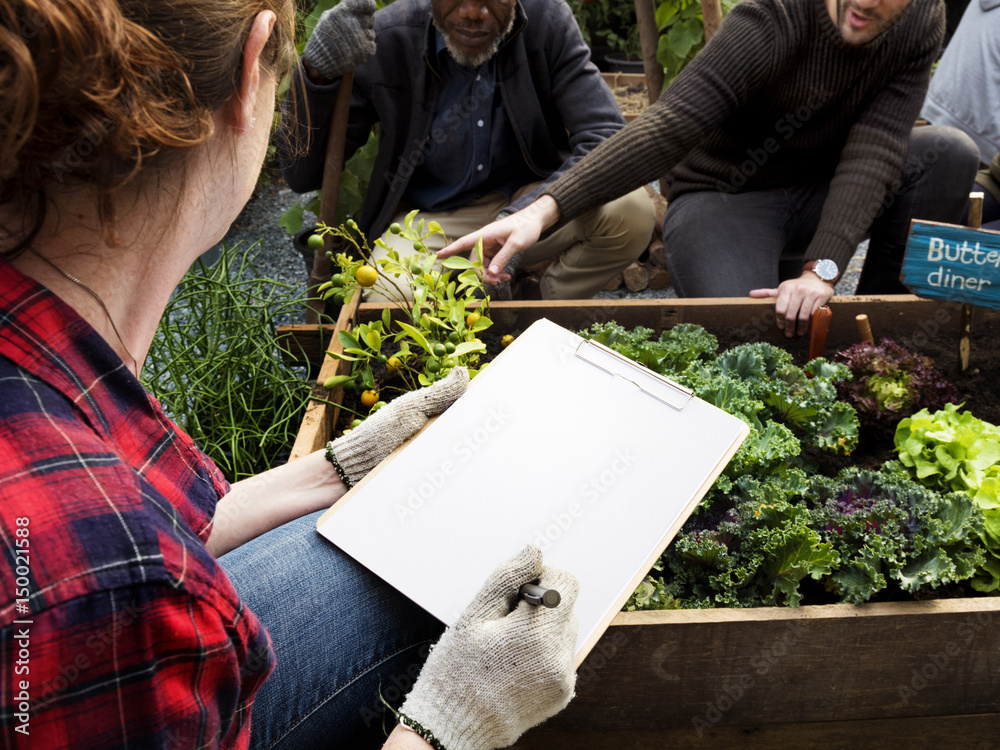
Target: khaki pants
[(589, 251)]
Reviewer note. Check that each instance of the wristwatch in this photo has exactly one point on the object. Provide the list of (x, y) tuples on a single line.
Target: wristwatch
[(826, 269)]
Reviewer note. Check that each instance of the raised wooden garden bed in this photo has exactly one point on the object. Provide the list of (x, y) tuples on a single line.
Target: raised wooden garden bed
[(906, 674)]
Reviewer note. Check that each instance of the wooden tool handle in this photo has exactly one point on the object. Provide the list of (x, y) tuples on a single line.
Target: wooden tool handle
[(817, 336), (332, 168)]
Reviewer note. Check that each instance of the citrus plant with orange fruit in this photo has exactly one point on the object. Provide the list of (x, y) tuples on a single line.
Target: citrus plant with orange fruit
[(416, 341)]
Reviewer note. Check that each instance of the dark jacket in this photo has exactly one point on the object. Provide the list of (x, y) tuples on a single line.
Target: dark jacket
[(554, 97)]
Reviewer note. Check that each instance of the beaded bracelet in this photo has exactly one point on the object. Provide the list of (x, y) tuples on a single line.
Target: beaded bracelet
[(336, 465), (414, 727)]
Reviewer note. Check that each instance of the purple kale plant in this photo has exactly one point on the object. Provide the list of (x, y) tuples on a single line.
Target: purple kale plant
[(889, 383)]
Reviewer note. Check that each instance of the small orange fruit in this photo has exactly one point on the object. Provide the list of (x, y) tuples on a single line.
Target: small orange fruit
[(366, 275)]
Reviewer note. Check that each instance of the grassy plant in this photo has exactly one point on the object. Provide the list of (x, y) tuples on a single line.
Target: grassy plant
[(217, 368)]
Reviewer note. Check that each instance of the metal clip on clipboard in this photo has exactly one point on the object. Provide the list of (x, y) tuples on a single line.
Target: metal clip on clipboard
[(662, 389)]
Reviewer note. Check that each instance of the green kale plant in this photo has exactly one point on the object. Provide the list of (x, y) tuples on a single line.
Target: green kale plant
[(768, 525), (887, 527), (858, 534), (749, 547), (651, 593), (671, 353), (955, 451), (786, 406), (803, 399)]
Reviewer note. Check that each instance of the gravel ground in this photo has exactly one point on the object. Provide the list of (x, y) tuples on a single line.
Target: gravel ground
[(258, 223), (279, 259)]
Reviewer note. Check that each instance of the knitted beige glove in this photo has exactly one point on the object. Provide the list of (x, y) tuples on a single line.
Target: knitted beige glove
[(356, 453), (344, 38), (503, 667)]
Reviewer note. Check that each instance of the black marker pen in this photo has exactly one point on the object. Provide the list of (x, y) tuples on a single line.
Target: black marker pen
[(535, 594)]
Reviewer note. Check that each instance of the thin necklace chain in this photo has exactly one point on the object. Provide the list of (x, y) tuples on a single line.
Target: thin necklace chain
[(95, 295)]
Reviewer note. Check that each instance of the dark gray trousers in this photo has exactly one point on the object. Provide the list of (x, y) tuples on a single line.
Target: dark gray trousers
[(721, 245)]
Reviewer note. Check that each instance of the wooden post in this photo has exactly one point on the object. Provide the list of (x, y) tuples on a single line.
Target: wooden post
[(332, 167), (864, 328), (711, 17), (817, 334), (965, 341), (649, 38)]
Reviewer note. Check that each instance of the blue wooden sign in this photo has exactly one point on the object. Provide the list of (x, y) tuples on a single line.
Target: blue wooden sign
[(953, 263)]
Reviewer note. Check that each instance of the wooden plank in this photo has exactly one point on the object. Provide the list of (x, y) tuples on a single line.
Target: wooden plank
[(623, 79), (333, 165), (320, 417), (906, 318), (699, 668), (953, 263), (964, 732), (304, 342)]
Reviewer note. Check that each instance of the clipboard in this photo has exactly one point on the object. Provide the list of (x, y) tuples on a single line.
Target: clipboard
[(560, 442)]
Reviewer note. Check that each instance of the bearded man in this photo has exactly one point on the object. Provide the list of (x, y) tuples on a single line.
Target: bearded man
[(480, 105)]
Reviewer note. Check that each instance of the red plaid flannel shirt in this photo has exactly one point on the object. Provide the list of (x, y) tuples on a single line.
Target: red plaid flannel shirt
[(117, 627)]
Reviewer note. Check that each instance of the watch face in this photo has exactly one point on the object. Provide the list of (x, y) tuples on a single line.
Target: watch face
[(826, 269)]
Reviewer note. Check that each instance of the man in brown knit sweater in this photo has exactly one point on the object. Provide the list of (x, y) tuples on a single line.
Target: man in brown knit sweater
[(788, 140)]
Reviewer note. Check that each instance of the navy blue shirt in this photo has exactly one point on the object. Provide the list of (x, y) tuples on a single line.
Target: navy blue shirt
[(473, 149)]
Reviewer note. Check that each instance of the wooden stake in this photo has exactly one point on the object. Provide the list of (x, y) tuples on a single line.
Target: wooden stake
[(711, 15), (649, 39), (864, 328), (817, 334), (332, 168), (965, 339)]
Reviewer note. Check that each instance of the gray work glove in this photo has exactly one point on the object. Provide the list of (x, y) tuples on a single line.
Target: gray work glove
[(359, 451), (344, 38), (504, 666)]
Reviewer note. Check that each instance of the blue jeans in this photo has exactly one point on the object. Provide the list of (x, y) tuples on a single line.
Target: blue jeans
[(722, 245), (342, 636)]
